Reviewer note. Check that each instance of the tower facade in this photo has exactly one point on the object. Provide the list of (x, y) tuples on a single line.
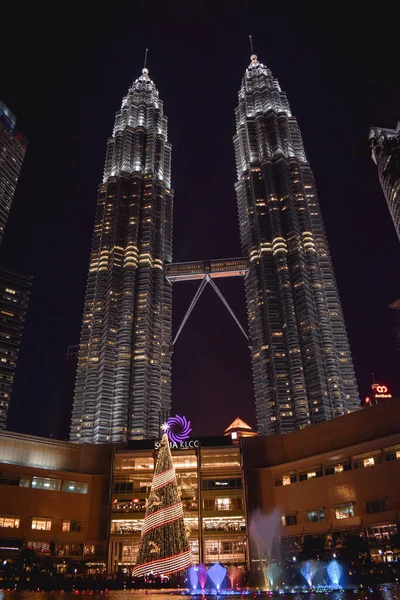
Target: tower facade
[(12, 151), (123, 378), (302, 366), (14, 295), (385, 147)]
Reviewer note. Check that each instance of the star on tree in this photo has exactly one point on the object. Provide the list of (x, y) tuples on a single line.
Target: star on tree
[(164, 427)]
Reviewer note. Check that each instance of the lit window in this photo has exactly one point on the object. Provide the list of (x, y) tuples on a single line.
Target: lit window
[(43, 524), (45, 483), (369, 462), (344, 511), (398, 454), (223, 504), (74, 487), (71, 526), (339, 468), (288, 520), (315, 516), (286, 480), (311, 475), (9, 522)]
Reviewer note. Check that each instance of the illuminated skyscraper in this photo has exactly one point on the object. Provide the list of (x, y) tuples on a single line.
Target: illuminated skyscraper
[(302, 366), (14, 296), (123, 379), (385, 148), (12, 152)]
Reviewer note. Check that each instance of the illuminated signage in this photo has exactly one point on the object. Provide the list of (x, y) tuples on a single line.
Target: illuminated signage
[(381, 391), (185, 444), (178, 430)]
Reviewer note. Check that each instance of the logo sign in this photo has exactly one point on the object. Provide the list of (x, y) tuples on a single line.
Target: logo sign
[(178, 430), (381, 391)]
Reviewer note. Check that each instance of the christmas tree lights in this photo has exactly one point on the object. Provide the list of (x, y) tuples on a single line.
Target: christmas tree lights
[(164, 546)]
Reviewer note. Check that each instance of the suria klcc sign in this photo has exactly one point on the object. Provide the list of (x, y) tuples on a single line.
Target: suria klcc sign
[(178, 431)]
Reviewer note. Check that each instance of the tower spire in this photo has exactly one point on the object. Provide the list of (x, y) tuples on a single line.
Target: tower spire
[(253, 56), (251, 44), (145, 71)]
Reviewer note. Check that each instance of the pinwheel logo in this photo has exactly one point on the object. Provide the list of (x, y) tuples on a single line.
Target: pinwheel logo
[(179, 429)]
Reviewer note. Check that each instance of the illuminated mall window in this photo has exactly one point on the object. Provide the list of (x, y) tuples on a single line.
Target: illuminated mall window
[(315, 516), (185, 461), (344, 511), (398, 454), (369, 462), (288, 520), (122, 526), (74, 487), (45, 483), (39, 523), (223, 503), (71, 525), (375, 506), (9, 522)]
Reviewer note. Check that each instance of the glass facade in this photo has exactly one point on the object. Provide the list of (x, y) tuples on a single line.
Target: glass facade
[(385, 146), (211, 487), (14, 296), (12, 151), (123, 378), (302, 367)]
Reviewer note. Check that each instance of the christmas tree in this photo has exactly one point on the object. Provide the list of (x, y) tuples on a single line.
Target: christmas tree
[(164, 546)]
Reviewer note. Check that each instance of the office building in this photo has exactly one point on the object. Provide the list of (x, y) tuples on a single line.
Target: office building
[(302, 366), (385, 149), (14, 296), (12, 152), (123, 379), (332, 481), (54, 499), (395, 314)]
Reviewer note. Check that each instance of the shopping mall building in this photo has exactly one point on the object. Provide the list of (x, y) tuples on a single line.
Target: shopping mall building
[(86, 503)]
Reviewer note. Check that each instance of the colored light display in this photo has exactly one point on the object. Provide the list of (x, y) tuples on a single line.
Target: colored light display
[(179, 429)]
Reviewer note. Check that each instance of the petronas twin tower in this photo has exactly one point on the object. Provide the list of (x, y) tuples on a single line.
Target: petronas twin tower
[(302, 366)]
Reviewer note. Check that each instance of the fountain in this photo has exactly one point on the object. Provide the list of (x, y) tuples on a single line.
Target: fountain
[(197, 577), (232, 574), (273, 571), (217, 575), (193, 577), (334, 573), (308, 570), (264, 533)]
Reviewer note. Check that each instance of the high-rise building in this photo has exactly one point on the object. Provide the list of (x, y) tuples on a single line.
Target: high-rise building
[(395, 314), (385, 149), (302, 366), (123, 379), (14, 296), (12, 152)]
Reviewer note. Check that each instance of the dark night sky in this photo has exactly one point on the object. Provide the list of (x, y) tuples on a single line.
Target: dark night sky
[(64, 74)]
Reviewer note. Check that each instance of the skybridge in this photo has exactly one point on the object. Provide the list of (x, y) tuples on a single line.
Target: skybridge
[(207, 271)]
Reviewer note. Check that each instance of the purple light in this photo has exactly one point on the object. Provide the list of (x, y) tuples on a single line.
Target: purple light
[(179, 429)]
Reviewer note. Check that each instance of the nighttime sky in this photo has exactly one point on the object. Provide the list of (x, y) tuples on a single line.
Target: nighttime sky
[(64, 76)]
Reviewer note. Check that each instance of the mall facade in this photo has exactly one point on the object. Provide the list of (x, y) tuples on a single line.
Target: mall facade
[(84, 504)]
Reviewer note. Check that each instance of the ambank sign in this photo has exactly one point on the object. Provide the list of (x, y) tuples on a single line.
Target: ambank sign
[(381, 391), (186, 444)]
